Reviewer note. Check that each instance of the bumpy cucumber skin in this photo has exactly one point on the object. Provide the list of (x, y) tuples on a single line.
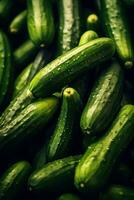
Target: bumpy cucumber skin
[(18, 22), (68, 196), (21, 80), (14, 180), (40, 21), (102, 101), (27, 122), (95, 166), (60, 144), (70, 65), (54, 176), (5, 65), (118, 192), (24, 53), (116, 26), (69, 25)]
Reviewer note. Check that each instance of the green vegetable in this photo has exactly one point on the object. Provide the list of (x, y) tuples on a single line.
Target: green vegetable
[(93, 22), (88, 36)]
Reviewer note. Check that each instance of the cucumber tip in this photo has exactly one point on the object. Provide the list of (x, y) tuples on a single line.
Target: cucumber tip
[(128, 64)]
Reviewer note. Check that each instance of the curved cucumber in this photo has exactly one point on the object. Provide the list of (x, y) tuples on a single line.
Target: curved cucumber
[(54, 176), (70, 65), (27, 122), (87, 37), (14, 180), (118, 192), (69, 25), (116, 27), (68, 196), (61, 140), (5, 65), (40, 21), (102, 101), (18, 22), (96, 165)]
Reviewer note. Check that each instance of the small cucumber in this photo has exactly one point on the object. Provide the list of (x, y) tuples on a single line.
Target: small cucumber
[(54, 176), (18, 22), (27, 122), (14, 180), (93, 22), (116, 27), (118, 192), (61, 142), (24, 53), (40, 21), (96, 165), (70, 65), (88, 36), (69, 25), (102, 101), (5, 65), (68, 196)]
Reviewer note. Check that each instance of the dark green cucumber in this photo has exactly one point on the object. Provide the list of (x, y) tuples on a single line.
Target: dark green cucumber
[(93, 22), (61, 142), (54, 176), (70, 65), (18, 22), (21, 80), (69, 25), (88, 36), (24, 53), (116, 26), (68, 196), (118, 192), (27, 122), (14, 180), (5, 8), (40, 21), (96, 165), (5, 65), (102, 101)]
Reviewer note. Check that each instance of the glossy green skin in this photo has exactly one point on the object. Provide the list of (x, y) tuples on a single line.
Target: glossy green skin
[(14, 180), (97, 163), (61, 140), (69, 25), (102, 101), (18, 22), (116, 27), (118, 192), (27, 122), (54, 176), (40, 22), (88, 36), (21, 80), (24, 53), (68, 196), (5, 8), (5, 65), (70, 65)]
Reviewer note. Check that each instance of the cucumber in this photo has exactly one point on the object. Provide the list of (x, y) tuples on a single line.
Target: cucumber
[(68, 196), (96, 165), (88, 36), (5, 8), (54, 176), (13, 181), (5, 65), (69, 29), (102, 101), (21, 80), (93, 22), (40, 21), (18, 22), (118, 192), (70, 65), (27, 122), (24, 53), (62, 140), (116, 27)]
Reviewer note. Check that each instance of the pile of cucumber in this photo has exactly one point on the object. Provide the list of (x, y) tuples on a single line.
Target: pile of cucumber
[(66, 100)]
